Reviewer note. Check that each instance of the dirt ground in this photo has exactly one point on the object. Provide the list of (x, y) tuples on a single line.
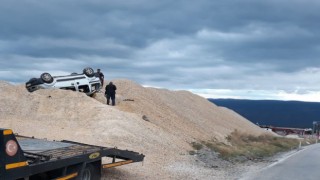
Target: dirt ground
[(159, 123)]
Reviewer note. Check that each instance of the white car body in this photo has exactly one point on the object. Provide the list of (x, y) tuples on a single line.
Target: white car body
[(77, 82)]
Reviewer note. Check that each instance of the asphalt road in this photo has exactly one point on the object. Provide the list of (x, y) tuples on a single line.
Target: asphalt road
[(302, 165)]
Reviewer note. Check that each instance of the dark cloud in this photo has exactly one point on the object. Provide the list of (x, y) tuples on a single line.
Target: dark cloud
[(233, 44)]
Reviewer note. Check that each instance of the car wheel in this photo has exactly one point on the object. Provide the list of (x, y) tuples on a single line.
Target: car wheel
[(46, 77), (89, 173), (88, 72)]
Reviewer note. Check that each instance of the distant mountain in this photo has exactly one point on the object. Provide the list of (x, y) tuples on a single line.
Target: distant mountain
[(276, 113)]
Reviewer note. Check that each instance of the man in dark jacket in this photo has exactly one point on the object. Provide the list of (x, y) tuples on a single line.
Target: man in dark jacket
[(101, 76), (111, 93)]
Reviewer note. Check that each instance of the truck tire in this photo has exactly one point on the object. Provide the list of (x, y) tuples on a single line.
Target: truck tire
[(88, 72), (46, 77), (90, 172)]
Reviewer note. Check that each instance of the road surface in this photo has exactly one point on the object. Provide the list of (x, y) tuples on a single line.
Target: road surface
[(304, 165)]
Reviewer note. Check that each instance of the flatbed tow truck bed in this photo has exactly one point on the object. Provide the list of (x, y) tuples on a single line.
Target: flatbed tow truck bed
[(28, 158)]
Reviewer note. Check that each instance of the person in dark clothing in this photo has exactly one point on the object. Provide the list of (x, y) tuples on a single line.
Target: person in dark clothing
[(101, 76), (111, 93)]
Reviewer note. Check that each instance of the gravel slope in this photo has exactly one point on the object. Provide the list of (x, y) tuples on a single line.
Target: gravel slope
[(156, 122)]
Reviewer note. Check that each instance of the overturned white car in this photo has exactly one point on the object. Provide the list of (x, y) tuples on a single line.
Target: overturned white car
[(87, 82)]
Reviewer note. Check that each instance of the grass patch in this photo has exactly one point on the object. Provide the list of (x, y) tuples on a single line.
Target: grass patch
[(196, 145), (248, 146)]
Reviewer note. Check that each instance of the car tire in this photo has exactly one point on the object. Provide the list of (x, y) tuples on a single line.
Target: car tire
[(90, 172), (46, 77), (88, 72)]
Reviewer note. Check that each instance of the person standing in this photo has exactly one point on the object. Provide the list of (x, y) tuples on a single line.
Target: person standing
[(101, 76), (111, 93)]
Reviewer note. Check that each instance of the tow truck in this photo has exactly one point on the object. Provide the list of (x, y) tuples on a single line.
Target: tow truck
[(29, 158)]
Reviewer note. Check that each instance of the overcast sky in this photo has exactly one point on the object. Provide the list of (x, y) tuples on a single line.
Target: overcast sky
[(250, 49)]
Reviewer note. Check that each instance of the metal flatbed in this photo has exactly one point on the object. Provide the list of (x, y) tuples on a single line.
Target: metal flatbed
[(61, 160)]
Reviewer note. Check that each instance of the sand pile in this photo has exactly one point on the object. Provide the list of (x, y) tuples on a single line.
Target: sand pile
[(156, 122)]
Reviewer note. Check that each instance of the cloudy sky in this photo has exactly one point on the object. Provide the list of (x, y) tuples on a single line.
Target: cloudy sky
[(248, 49)]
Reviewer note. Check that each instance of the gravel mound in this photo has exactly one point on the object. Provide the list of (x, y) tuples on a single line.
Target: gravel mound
[(156, 122)]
